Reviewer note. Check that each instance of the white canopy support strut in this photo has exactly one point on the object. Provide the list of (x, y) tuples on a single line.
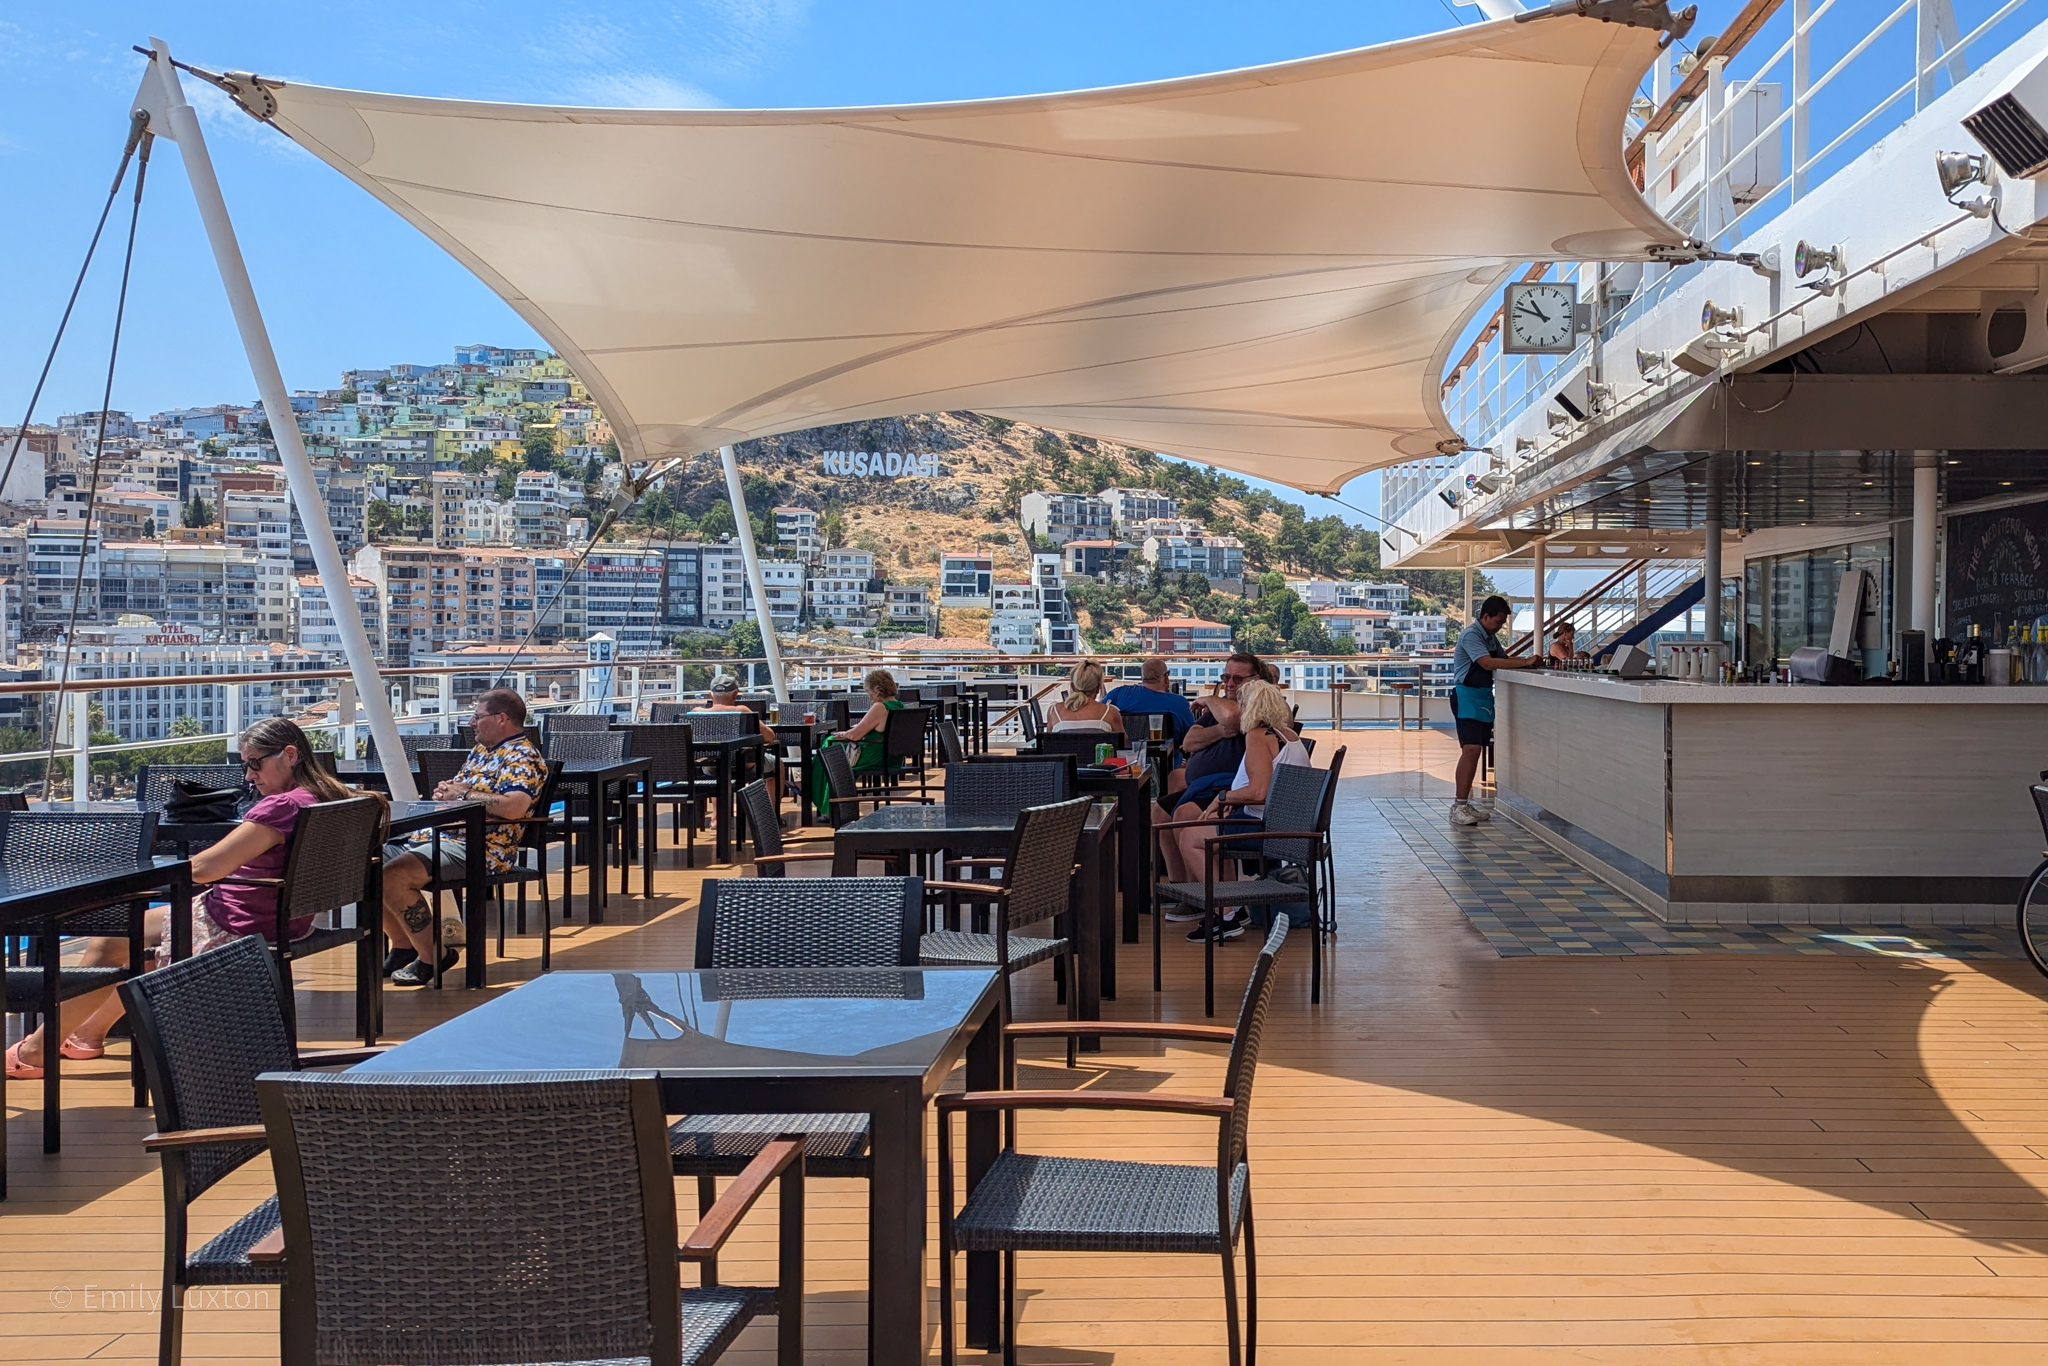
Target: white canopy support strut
[(743, 527), (163, 96)]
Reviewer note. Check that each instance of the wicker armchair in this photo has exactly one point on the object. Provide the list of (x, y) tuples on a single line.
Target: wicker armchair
[(563, 723), (1031, 886), (674, 778), (437, 766), (712, 726), (332, 864), (951, 749), (1296, 828), (536, 835), (204, 1028), (846, 794), (423, 1265), (799, 923), (903, 747), (773, 853), (1005, 786), (1030, 1203), (156, 784), (32, 842)]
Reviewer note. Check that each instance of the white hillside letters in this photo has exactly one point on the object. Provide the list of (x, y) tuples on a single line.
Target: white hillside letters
[(882, 464)]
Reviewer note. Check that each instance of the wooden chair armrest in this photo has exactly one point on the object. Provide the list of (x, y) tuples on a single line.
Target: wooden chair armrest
[(1243, 835), (250, 881), (988, 889), (341, 1057), (1122, 1029), (1183, 825), (813, 856), (203, 1138), (718, 1223), (977, 862), (1166, 1102), (269, 1248)]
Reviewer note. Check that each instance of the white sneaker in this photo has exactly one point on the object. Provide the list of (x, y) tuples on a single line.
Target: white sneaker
[(451, 932), (1483, 810), (1183, 913), (1463, 814)]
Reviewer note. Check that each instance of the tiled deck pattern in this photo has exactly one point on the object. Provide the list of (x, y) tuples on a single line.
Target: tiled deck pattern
[(1527, 899), (1657, 1159)]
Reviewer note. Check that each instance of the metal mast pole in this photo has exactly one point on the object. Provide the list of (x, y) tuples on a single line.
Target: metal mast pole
[(172, 117), (744, 529)]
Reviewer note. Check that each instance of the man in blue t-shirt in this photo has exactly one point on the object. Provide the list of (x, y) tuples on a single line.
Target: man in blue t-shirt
[(1473, 665), (1153, 697)]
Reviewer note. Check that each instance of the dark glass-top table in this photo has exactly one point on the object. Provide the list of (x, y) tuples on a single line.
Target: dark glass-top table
[(879, 1041), (917, 828), (43, 897)]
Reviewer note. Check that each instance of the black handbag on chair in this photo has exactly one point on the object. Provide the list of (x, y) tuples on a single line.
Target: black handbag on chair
[(192, 804)]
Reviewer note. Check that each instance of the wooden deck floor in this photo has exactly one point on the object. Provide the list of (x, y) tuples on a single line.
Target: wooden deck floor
[(1459, 1158)]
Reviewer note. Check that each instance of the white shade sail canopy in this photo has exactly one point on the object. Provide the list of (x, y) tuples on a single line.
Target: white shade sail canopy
[(1262, 270)]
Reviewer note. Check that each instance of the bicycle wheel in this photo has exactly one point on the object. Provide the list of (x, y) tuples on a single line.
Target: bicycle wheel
[(2033, 917)]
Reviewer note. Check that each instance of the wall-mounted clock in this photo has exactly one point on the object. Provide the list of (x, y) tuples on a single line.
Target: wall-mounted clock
[(1542, 318)]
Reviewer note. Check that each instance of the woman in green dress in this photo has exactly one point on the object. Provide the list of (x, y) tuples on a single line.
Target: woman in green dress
[(865, 736)]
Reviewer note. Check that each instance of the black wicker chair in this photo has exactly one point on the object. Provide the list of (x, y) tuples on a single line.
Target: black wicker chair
[(333, 863), (1031, 886), (1031, 1203), (772, 853), (571, 747), (1031, 719), (530, 1219), (437, 766), (805, 923), (1295, 829), (1005, 785), (675, 778), (846, 796), (903, 747), (951, 750), (563, 722), (156, 784), (204, 1029), (1081, 744), (667, 713), (34, 842), (536, 837), (712, 726)]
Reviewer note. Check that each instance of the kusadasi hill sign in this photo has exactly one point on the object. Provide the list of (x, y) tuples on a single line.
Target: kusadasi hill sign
[(881, 464)]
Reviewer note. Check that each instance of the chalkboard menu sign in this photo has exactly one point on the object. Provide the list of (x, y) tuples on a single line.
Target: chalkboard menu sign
[(1997, 569)]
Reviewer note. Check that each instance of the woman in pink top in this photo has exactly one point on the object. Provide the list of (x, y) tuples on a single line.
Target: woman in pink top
[(279, 762)]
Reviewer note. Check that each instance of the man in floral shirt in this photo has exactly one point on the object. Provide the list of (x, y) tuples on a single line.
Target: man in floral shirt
[(504, 772)]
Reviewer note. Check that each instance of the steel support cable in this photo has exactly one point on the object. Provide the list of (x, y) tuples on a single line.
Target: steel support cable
[(143, 139), (137, 128)]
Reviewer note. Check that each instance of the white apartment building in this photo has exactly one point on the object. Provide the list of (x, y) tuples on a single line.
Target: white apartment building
[(848, 564), (842, 602), (622, 597), (1061, 517), (262, 522), (729, 598), (138, 648), (965, 578), (540, 512), (1139, 505), (1419, 630), (907, 606), (1016, 633), (313, 615), (1379, 597), (796, 532)]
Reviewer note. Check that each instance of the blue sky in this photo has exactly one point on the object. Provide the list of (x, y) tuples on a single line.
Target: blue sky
[(346, 283)]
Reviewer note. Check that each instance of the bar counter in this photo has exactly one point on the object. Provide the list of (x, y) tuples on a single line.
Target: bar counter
[(1771, 804)]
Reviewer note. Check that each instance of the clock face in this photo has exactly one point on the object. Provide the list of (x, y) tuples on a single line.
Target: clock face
[(1541, 318)]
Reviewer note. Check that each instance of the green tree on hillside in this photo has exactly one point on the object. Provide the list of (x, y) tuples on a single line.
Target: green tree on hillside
[(198, 513)]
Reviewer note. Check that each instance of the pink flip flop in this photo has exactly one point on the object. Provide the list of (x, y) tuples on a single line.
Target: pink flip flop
[(79, 1050), (17, 1070)]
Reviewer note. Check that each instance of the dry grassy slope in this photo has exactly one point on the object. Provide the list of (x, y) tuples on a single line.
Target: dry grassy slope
[(908, 522)]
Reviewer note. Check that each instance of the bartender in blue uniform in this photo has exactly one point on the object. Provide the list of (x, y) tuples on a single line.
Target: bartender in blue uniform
[(1478, 657)]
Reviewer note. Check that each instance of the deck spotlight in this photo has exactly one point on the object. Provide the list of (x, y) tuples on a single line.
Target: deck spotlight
[(1807, 258), (1599, 397), (1958, 169), (1485, 483), (1648, 362), (1523, 445), (1558, 421), (1714, 317), (1450, 496)]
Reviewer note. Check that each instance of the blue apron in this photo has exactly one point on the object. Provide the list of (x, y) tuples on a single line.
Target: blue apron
[(1474, 704)]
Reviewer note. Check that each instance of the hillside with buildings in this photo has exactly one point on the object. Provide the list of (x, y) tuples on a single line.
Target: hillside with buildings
[(464, 496)]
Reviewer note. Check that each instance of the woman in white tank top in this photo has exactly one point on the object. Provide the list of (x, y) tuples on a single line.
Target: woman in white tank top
[(1080, 711), (1270, 743)]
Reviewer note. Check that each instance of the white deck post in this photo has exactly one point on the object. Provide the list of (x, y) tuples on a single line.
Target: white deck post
[(179, 123), (744, 529), (81, 738), (1710, 561), (1542, 636), (1926, 520)]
